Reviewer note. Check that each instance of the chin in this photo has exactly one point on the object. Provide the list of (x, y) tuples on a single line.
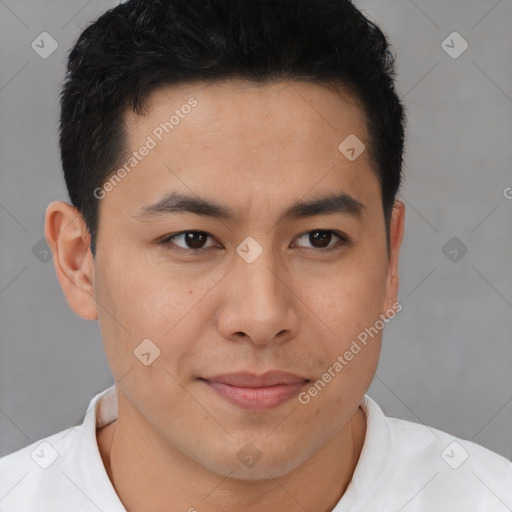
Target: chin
[(251, 464)]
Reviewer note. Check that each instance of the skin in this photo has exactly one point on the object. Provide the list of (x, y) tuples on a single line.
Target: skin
[(297, 307)]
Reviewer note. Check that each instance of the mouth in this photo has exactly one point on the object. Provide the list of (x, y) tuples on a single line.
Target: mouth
[(256, 392)]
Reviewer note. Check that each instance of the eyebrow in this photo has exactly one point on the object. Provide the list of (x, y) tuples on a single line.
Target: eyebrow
[(175, 203)]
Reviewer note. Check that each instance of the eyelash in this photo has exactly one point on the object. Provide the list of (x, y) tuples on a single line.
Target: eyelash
[(343, 240)]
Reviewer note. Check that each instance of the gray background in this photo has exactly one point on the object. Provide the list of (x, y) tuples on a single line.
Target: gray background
[(447, 357)]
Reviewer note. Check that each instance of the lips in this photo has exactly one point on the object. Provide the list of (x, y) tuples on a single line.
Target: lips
[(256, 392)]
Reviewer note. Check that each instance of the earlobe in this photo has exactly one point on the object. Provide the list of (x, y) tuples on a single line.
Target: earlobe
[(396, 233), (69, 240)]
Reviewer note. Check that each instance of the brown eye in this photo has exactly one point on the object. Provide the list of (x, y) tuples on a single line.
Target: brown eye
[(322, 238), (191, 240), (195, 239)]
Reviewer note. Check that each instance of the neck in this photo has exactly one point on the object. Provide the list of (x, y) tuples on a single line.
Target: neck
[(148, 474)]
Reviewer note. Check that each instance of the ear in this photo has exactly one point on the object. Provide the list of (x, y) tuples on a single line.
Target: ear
[(69, 240), (396, 234)]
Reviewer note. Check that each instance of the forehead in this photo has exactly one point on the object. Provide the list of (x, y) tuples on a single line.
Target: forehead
[(282, 112), (234, 136)]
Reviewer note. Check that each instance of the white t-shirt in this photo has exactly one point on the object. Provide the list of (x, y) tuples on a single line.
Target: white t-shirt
[(403, 466)]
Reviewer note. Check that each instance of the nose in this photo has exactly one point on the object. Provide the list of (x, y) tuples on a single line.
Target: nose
[(259, 303)]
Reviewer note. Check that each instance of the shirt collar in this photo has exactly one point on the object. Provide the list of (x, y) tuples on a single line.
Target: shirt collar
[(89, 468), (378, 456)]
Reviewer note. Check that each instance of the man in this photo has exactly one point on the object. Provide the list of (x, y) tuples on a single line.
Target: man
[(233, 169)]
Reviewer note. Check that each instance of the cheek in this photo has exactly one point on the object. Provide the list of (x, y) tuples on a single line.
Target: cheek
[(350, 298), (148, 298), (349, 302), (141, 302)]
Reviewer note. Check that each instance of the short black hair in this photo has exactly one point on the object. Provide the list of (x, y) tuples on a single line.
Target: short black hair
[(142, 45)]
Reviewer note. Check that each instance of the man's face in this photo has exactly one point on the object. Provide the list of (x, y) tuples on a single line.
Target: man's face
[(266, 293)]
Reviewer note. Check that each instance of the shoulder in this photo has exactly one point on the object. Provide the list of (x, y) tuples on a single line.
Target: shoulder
[(410, 466), (458, 470), (423, 440), (33, 471), (63, 471)]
